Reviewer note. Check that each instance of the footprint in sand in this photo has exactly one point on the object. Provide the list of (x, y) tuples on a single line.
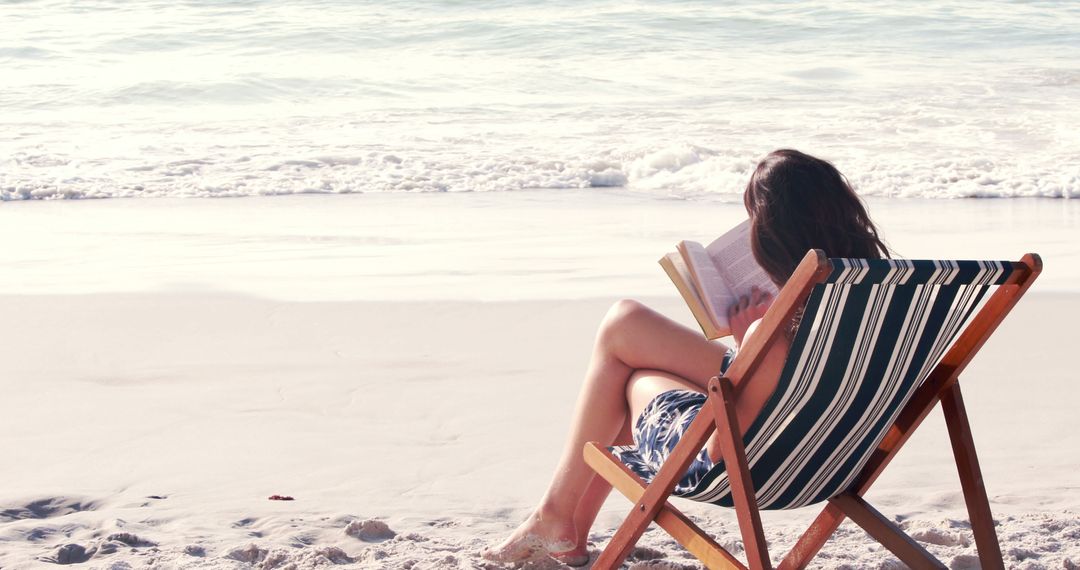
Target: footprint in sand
[(646, 553), (940, 537), (370, 530), (47, 508), (71, 554), (130, 539), (249, 553)]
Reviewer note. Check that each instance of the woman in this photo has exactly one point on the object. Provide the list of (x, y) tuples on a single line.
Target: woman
[(644, 365)]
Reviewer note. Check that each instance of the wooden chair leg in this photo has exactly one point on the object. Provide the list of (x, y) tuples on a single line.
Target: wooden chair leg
[(681, 528), (971, 481), (884, 531), (722, 394)]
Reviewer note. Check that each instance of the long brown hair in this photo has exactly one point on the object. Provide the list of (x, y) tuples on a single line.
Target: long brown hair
[(796, 203)]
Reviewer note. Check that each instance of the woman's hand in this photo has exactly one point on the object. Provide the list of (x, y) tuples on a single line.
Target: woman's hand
[(749, 309)]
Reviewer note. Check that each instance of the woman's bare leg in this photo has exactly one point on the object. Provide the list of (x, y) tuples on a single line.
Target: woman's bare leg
[(631, 337), (589, 506), (641, 388)]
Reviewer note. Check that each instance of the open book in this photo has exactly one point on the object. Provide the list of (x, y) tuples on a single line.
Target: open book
[(712, 278)]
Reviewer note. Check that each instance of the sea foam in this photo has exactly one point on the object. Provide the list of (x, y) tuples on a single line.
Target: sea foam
[(685, 171)]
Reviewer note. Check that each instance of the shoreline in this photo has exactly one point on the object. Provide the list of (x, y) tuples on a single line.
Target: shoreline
[(482, 246)]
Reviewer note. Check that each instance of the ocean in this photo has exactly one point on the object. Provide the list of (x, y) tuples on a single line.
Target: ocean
[(673, 99)]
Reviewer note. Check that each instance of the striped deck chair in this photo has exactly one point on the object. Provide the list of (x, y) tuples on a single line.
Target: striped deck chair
[(881, 342)]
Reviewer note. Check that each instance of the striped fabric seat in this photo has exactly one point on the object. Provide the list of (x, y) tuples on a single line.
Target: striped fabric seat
[(869, 336)]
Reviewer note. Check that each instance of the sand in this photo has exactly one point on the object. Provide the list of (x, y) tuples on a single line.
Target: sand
[(404, 367), (149, 429)]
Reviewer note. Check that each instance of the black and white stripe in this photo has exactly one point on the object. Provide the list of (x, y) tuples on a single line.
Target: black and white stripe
[(870, 334)]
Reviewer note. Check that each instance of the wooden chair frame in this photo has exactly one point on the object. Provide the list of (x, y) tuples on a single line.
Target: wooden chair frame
[(718, 414)]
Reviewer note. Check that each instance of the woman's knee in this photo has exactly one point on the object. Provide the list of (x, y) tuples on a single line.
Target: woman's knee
[(620, 315)]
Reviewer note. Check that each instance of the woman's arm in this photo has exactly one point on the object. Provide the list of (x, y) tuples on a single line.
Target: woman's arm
[(745, 317)]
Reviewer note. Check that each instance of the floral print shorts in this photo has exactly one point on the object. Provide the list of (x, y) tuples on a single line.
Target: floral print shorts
[(657, 430)]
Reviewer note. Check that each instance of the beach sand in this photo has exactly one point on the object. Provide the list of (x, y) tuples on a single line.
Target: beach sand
[(405, 366), (149, 429)]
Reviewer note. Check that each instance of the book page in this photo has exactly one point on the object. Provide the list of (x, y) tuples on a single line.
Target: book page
[(711, 286), (736, 265)]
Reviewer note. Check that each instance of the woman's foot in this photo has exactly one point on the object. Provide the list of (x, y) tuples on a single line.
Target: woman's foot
[(541, 534)]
